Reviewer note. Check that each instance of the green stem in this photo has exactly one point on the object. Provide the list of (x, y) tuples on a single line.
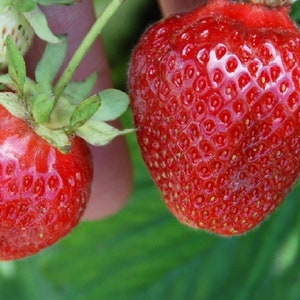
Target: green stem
[(85, 45)]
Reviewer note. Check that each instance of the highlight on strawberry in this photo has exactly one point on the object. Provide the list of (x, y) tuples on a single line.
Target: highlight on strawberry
[(215, 94)]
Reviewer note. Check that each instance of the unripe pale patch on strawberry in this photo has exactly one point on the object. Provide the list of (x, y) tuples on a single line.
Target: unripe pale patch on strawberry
[(215, 96), (22, 20), (14, 24)]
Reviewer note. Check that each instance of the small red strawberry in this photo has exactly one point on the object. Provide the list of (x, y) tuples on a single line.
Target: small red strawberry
[(43, 191), (216, 100), (45, 164)]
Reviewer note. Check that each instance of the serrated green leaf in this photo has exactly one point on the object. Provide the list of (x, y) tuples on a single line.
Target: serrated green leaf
[(38, 22), (83, 112), (50, 63), (13, 104), (16, 65), (113, 104), (42, 107), (76, 91), (56, 138), (99, 133)]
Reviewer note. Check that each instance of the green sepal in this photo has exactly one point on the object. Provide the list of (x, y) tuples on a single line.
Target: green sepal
[(50, 63), (16, 65), (99, 133), (83, 112), (38, 22), (76, 91), (56, 138), (13, 104), (56, 120), (24, 5), (6, 81), (113, 104), (4, 5), (8, 84), (42, 107)]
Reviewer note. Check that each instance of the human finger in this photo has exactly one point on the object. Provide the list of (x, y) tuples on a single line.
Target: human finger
[(112, 166), (169, 7)]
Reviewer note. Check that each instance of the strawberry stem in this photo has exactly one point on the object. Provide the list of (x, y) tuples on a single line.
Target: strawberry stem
[(83, 48)]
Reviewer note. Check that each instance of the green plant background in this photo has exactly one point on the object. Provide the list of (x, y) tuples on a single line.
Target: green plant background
[(143, 252)]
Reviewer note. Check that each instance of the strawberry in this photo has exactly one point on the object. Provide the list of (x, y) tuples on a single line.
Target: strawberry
[(43, 191), (15, 24), (22, 20), (215, 95), (46, 166)]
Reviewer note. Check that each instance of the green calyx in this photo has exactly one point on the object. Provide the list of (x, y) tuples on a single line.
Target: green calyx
[(74, 113), (58, 113)]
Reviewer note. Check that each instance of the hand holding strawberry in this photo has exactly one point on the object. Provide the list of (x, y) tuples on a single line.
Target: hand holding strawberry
[(112, 166), (215, 97), (169, 7)]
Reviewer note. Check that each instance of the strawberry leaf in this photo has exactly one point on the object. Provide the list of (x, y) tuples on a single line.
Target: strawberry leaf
[(38, 22), (16, 65), (83, 112), (42, 107), (50, 63), (6, 81), (4, 5), (113, 104), (13, 104), (56, 138), (99, 133), (76, 91), (24, 5)]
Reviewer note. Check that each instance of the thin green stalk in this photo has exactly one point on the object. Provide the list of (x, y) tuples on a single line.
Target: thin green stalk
[(85, 45)]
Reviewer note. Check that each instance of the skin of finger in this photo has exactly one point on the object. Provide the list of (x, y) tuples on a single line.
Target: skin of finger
[(169, 7), (113, 176)]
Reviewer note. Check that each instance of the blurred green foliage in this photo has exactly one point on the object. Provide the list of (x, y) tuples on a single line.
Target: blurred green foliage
[(143, 252)]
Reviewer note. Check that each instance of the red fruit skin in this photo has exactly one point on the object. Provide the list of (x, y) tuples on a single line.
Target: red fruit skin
[(215, 95), (43, 192)]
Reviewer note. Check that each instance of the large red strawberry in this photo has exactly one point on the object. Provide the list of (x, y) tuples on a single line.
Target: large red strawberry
[(216, 100)]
